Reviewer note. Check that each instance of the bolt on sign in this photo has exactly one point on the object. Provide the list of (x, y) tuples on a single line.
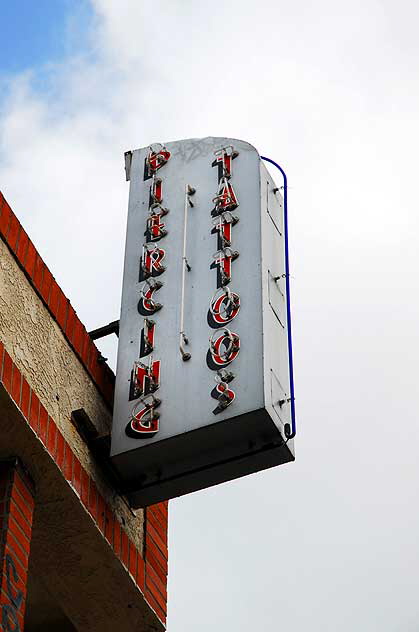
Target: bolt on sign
[(203, 384)]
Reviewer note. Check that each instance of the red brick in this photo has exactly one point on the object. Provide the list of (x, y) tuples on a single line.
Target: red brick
[(22, 246), (71, 317), (51, 436), (25, 489), (140, 578), (152, 533), (85, 480), (87, 345), (124, 548), (92, 503), (6, 377), (158, 523), (161, 613), (77, 475), (67, 468), (46, 285), (24, 401), (20, 537), (62, 310), (158, 526), (159, 585), (132, 561), (38, 273), (59, 458), (96, 374), (100, 512), (77, 336), (54, 295), (31, 255), (161, 506), (151, 560), (13, 232), (21, 522), (43, 424), (17, 549), (155, 556), (117, 538), (23, 499), (17, 515), (158, 508), (109, 386), (34, 412), (151, 586), (157, 513), (21, 615), (161, 509), (99, 375), (6, 213), (94, 354), (109, 525), (16, 385)]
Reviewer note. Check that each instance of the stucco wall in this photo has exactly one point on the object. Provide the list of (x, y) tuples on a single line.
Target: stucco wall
[(40, 350)]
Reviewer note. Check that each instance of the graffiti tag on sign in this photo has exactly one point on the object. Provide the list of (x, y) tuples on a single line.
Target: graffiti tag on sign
[(10, 610)]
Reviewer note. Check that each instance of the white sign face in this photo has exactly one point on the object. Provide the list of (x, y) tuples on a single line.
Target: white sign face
[(203, 382)]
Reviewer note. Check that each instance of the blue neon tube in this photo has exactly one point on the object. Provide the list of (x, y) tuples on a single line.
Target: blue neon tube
[(287, 286)]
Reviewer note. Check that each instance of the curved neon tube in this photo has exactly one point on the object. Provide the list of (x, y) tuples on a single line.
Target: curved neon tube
[(287, 286)]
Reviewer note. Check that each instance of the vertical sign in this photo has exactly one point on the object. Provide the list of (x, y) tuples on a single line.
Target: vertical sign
[(203, 383)]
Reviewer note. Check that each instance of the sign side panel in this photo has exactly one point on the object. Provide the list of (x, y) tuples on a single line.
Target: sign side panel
[(276, 360)]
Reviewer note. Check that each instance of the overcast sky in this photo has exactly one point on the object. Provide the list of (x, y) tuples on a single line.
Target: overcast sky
[(330, 90)]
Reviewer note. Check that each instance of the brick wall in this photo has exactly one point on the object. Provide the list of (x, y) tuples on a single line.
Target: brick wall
[(156, 551), (54, 299), (147, 567), (16, 512)]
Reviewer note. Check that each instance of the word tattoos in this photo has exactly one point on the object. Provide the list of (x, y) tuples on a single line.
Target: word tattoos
[(224, 344)]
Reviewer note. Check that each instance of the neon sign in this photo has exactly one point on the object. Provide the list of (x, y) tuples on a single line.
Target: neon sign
[(145, 379), (203, 391), (225, 305)]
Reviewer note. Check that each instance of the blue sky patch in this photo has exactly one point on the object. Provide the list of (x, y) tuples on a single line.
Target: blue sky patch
[(35, 32)]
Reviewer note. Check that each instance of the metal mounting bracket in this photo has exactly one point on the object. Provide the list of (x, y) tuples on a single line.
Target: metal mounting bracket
[(106, 330)]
